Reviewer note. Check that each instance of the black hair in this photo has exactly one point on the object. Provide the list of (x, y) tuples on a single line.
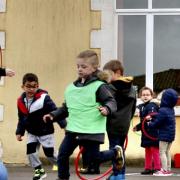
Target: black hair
[(29, 77)]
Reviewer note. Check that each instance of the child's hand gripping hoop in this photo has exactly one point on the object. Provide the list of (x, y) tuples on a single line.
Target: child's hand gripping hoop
[(143, 124)]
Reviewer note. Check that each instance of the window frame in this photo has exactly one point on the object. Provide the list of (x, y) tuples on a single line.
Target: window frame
[(149, 13)]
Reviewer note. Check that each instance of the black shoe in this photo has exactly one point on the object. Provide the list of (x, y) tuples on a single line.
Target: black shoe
[(83, 170), (61, 179), (147, 172), (89, 171), (155, 170)]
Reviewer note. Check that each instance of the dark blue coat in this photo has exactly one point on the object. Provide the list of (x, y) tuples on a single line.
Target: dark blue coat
[(165, 120), (145, 109)]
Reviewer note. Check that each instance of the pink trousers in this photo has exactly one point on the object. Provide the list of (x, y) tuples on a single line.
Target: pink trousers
[(152, 158)]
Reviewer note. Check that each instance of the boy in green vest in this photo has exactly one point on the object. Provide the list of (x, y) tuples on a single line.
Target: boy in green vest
[(87, 103)]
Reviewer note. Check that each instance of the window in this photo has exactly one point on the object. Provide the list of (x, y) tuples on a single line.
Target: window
[(131, 4), (132, 43), (148, 36), (166, 42), (2, 5), (165, 4)]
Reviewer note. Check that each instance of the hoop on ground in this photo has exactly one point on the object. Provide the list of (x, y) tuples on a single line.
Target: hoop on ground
[(99, 177), (83, 178)]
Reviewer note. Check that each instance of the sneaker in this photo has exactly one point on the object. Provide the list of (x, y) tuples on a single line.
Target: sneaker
[(162, 173), (147, 172), (119, 162), (54, 168), (39, 174), (169, 172), (117, 177)]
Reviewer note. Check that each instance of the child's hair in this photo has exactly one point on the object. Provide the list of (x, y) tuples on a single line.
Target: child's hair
[(146, 88), (29, 77), (105, 75), (114, 65), (90, 57), (159, 96)]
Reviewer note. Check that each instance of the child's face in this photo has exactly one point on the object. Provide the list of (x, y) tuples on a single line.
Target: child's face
[(84, 68), (30, 88), (146, 95)]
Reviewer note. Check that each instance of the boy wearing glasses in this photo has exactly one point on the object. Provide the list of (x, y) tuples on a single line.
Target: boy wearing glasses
[(32, 105)]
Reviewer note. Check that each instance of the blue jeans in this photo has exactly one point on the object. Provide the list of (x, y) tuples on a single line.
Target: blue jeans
[(3, 172), (117, 140), (69, 144)]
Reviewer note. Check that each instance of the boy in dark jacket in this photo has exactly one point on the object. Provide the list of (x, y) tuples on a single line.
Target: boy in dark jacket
[(165, 122), (33, 104), (118, 122)]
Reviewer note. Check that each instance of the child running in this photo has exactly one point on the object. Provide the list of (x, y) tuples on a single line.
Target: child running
[(152, 159), (87, 103), (118, 123), (165, 122), (33, 104)]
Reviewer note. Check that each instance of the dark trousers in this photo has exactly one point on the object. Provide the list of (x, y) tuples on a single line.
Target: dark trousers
[(89, 151), (113, 141), (69, 144)]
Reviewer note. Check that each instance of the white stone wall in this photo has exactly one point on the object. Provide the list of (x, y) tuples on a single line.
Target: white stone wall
[(105, 39)]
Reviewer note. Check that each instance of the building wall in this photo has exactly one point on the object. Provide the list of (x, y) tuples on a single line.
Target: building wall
[(44, 37)]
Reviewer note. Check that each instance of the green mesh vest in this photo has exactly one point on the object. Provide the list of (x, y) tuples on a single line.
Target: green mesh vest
[(84, 116)]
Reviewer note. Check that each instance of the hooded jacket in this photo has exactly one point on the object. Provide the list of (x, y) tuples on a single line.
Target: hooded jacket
[(32, 119), (165, 121), (125, 95)]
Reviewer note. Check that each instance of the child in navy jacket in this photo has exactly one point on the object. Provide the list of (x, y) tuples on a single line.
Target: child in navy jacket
[(165, 123), (151, 146)]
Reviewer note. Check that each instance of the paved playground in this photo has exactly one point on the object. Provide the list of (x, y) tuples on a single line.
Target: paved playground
[(133, 173)]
